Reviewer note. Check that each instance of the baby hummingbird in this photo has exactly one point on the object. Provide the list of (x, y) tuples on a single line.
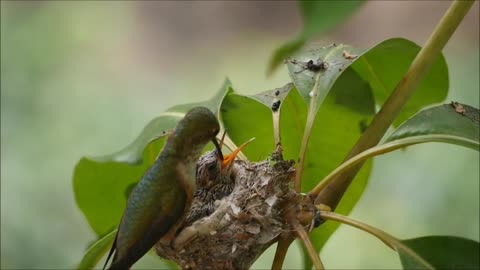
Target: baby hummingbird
[(214, 182), (159, 202)]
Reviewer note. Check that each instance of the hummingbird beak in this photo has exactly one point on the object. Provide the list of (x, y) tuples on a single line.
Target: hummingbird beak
[(218, 148), (223, 138), (231, 157)]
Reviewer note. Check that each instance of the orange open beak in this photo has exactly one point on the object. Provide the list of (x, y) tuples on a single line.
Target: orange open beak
[(228, 159)]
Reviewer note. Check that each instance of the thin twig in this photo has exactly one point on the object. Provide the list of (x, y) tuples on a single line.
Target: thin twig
[(380, 150), (317, 262), (382, 236), (281, 252), (386, 238)]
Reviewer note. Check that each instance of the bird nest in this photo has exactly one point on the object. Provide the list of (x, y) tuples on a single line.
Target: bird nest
[(260, 209)]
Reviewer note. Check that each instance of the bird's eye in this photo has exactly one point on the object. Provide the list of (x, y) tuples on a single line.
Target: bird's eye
[(212, 168)]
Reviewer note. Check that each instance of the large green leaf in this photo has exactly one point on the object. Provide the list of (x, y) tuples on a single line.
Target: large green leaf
[(99, 249), (102, 187), (96, 251), (384, 65), (318, 17), (102, 184), (317, 83), (456, 123), (292, 124), (252, 116), (441, 252), (338, 125), (161, 125), (245, 117)]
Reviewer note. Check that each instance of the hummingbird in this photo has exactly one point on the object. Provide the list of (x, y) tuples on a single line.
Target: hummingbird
[(214, 181), (159, 202)]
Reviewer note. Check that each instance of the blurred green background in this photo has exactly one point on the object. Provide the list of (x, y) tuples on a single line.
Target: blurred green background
[(83, 78)]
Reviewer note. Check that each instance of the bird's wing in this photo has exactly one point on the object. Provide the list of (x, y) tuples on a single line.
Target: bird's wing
[(150, 217), (155, 206), (132, 249)]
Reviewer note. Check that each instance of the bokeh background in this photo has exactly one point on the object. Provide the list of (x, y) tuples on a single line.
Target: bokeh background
[(83, 78)]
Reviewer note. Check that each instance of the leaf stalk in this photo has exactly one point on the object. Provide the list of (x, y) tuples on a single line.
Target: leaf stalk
[(312, 111), (383, 149), (386, 238), (317, 262)]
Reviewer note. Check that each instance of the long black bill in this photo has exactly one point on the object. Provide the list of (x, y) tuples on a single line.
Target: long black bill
[(223, 138), (218, 148)]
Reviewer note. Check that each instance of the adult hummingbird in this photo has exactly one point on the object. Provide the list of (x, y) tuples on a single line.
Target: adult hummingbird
[(214, 181), (159, 202)]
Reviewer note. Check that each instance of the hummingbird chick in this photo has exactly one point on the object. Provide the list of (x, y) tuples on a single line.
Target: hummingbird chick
[(159, 202), (214, 180)]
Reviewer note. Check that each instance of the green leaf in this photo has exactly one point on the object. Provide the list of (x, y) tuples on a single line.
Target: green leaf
[(318, 17), (213, 104), (293, 116), (456, 123), (267, 98), (338, 125), (102, 184), (441, 252), (161, 125), (384, 65), (453, 123), (245, 117), (96, 251), (100, 247), (318, 83), (251, 116), (102, 188)]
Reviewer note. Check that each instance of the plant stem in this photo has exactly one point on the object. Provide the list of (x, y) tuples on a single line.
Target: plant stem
[(276, 127), (317, 262), (334, 191), (381, 235), (281, 252), (312, 111), (386, 238), (383, 149)]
